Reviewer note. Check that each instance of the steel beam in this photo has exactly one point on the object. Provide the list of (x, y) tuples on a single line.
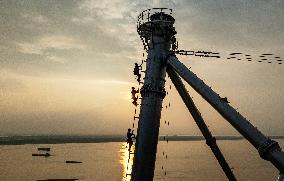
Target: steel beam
[(267, 148), (210, 140)]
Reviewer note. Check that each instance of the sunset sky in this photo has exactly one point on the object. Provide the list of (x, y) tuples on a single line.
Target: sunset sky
[(66, 66)]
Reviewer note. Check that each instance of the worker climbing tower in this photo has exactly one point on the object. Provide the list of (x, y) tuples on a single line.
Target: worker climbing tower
[(156, 31)]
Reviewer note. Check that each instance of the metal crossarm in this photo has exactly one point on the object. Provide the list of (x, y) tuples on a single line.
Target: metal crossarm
[(268, 149), (210, 140)]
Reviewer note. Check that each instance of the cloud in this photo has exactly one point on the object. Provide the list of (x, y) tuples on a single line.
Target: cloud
[(57, 42), (29, 48), (228, 25), (40, 35), (57, 59), (35, 17), (107, 9), (87, 48), (60, 42), (10, 82)]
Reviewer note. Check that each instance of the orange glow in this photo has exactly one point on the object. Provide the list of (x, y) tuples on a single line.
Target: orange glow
[(128, 97), (126, 159)]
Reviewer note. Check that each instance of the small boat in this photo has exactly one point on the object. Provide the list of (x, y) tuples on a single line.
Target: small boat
[(43, 149), (70, 161), (72, 179), (41, 154)]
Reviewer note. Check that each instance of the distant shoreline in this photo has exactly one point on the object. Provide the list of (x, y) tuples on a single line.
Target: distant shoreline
[(61, 139)]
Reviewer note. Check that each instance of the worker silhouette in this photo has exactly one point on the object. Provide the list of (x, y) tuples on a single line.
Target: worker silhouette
[(133, 96), (136, 71), (225, 99), (130, 136), (174, 45)]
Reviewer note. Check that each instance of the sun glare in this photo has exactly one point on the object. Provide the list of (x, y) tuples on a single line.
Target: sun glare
[(126, 159), (128, 96)]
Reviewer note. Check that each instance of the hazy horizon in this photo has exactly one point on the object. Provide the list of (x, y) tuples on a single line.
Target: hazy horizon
[(66, 66), (123, 134)]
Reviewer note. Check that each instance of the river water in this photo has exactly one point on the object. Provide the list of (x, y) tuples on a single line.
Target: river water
[(186, 160)]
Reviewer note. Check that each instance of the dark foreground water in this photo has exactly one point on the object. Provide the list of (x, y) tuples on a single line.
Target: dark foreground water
[(186, 160)]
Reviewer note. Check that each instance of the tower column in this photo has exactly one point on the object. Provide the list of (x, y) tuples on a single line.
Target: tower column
[(158, 32)]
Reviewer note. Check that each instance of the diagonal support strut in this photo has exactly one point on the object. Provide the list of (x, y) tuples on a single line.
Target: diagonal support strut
[(210, 140), (267, 148)]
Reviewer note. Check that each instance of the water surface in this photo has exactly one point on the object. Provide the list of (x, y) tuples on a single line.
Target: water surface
[(186, 160)]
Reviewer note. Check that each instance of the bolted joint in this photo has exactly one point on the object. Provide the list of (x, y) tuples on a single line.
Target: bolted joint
[(266, 147), (148, 89), (211, 141)]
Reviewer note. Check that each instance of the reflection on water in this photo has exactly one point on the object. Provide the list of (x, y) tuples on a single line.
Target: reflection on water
[(126, 159)]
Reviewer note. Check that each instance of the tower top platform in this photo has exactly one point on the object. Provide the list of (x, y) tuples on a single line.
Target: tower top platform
[(155, 15), (155, 22)]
